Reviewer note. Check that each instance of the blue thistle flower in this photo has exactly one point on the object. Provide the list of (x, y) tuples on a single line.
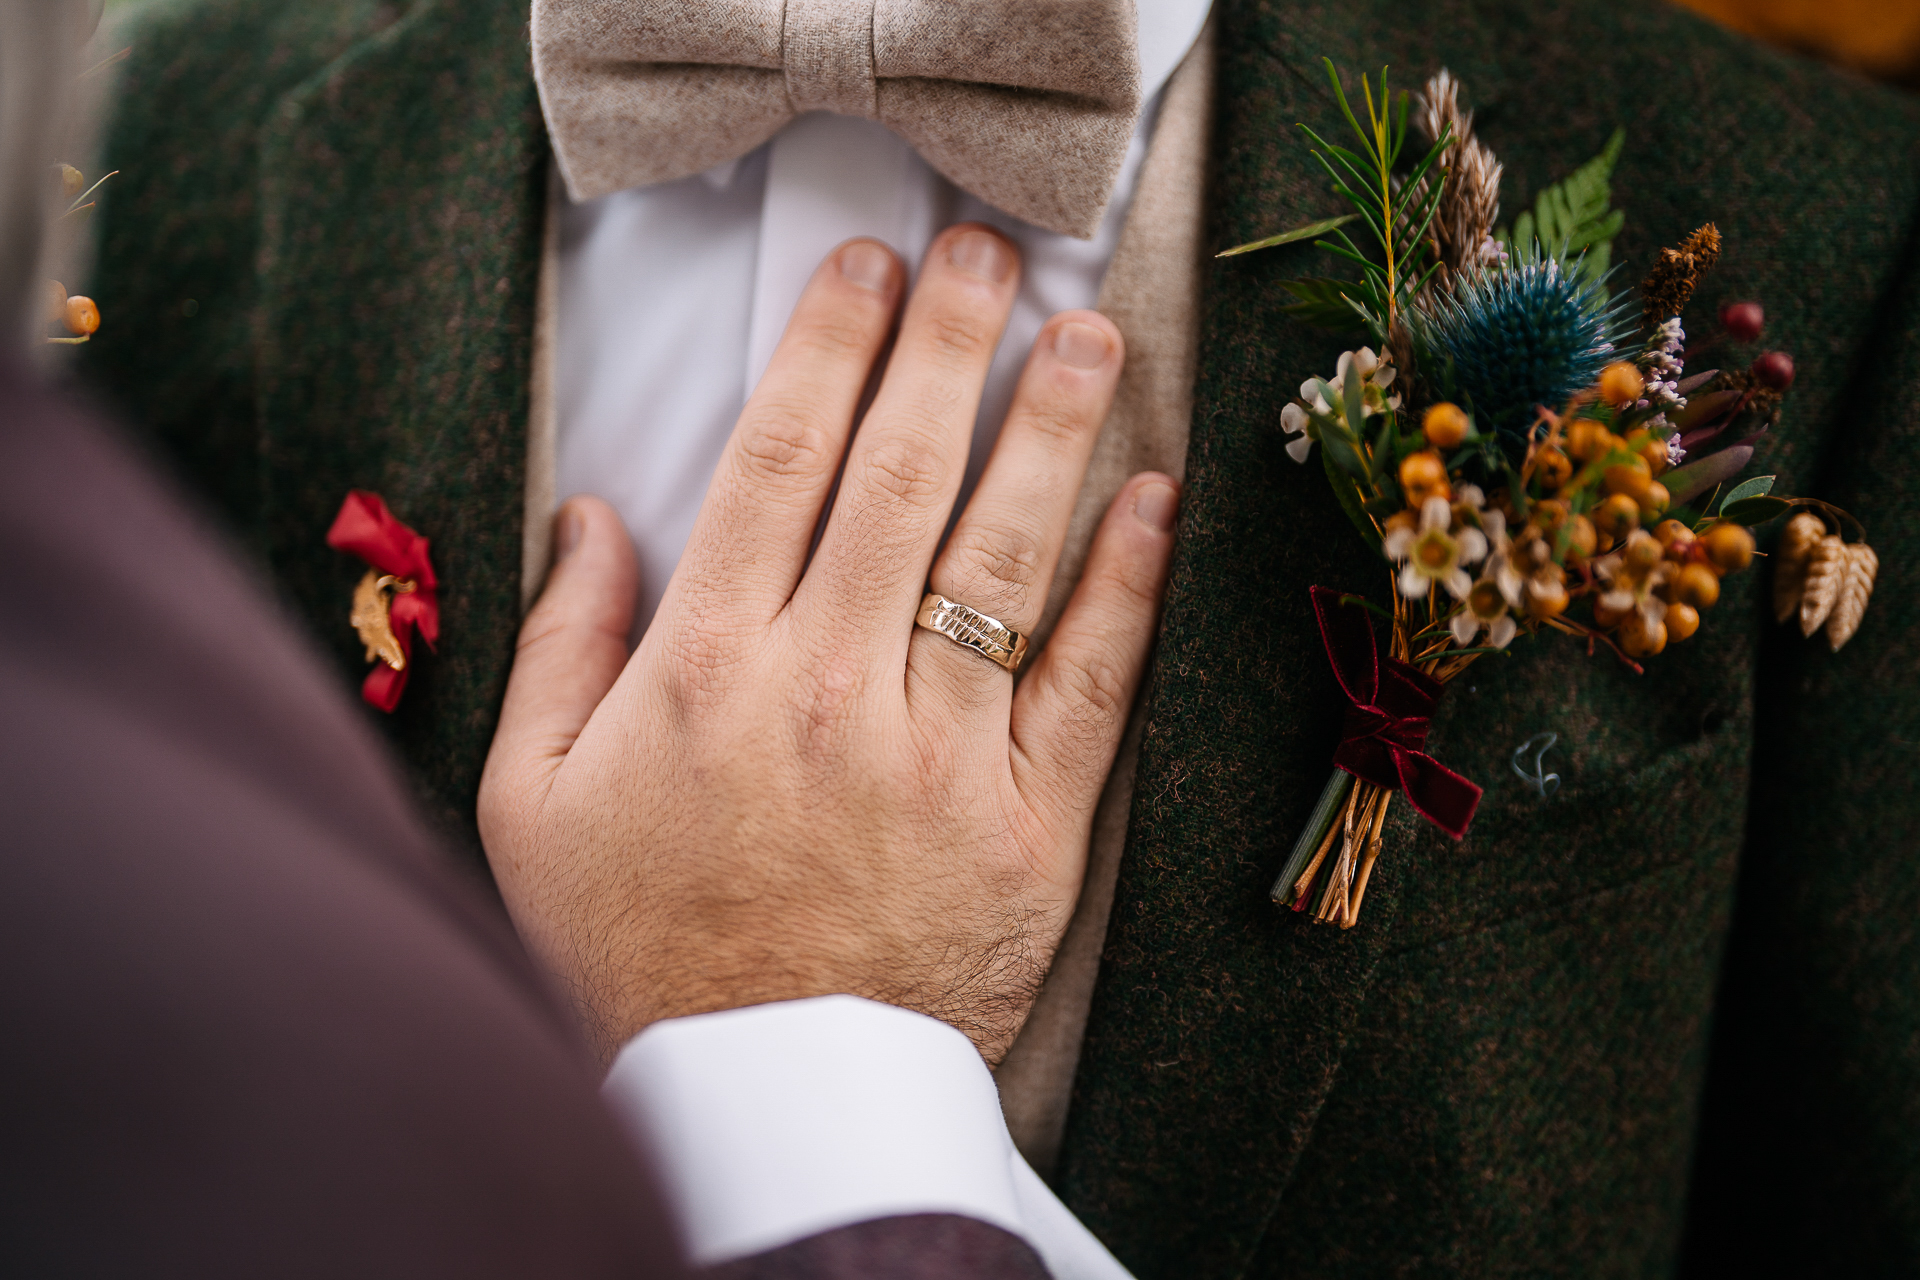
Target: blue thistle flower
[(1511, 339)]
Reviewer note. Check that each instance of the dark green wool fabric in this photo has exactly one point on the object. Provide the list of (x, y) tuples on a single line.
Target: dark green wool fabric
[(1667, 1022), (365, 285), (1499, 1071)]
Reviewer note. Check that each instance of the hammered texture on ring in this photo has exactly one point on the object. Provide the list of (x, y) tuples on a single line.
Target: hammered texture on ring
[(973, 629)]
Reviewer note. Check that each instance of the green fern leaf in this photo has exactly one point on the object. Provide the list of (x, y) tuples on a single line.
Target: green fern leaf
[(1573, 217)]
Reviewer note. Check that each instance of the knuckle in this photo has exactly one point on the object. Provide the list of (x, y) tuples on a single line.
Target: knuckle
[(1098, 687), (783, 442), (1060, 423), (1137, 581), (1001, 568), (957, 337), (907, 470), (837, 334)]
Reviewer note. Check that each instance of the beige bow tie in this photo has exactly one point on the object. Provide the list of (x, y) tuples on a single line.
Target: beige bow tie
[(1028, 104)]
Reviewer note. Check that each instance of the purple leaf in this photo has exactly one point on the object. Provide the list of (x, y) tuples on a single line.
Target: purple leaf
[(1716, 468), (1687, 386), (1703, 409), (1691, 438)]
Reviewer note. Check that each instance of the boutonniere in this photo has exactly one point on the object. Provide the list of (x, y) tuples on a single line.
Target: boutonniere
[(397, 596), (1525, 452)]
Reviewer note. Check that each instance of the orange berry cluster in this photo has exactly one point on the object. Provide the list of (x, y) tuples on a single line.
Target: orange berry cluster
[(1672, 575), (1650, 576)]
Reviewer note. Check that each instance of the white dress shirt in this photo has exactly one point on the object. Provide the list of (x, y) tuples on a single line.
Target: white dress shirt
[(779, 1122)]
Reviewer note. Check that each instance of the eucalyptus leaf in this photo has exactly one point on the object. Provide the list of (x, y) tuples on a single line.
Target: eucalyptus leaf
[(1752, 511), (1753, 488), (1307, 232)]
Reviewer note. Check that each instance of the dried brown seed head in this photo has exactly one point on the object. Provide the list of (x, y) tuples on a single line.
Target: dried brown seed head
[(1676, 273), (1826, 572), (1862, 566), (1790, 562)]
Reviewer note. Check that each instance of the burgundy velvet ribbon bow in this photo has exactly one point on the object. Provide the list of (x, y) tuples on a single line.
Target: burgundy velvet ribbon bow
[(1386, 725), (366, 528)]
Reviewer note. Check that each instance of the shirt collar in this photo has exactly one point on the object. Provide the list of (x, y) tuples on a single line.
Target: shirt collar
[(1168, 29)]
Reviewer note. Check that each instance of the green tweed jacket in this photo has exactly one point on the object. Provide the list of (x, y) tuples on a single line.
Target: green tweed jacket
[(1666, 1022)]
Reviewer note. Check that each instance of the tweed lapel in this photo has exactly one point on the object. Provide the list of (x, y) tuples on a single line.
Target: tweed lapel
[(1218, 1025), (402, 204)]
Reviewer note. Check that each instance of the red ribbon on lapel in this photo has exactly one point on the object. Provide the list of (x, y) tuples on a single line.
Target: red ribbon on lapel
[(1392, 703), (365, 528)]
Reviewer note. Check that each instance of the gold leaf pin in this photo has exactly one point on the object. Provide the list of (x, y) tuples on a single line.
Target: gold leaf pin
[(371, 617)]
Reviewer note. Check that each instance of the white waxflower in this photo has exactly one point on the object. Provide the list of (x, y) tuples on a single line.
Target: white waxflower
[(1434, 551), (1293, 420), (1376, 375)]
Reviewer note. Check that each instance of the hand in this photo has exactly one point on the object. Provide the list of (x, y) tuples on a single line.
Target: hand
[(790, 789)]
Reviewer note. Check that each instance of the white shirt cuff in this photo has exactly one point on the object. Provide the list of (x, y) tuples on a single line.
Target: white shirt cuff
[(770, 1124)]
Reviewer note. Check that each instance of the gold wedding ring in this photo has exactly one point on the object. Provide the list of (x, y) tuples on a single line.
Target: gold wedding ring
[(973, 629)]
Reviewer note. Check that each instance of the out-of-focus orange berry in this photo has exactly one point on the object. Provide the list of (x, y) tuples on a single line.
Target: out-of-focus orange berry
[(1682, 621), (1445, 426), (1651, 449), (1631, 478), (82, 316), (1729, 546), (1642, 552), (1581, 538), (1552, 467), (1655, 501), (1587, 439), (1621, 384), (1698, 586), (1642, 638), (1607, 619), (1546, 598), (1423, 475), (1549, 514), (1673, 535), (1618, 514)]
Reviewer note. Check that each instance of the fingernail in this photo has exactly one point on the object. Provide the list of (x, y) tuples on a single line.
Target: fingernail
[(981, 253), (568, 535), (867, 265), (1157, 504), (1081, 345)]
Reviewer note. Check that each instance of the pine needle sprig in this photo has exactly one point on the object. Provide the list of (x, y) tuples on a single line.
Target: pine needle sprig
[(1398, 214), (1397, 211)]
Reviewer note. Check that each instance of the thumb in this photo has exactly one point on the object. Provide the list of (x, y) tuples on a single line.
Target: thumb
[(573, 646)]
